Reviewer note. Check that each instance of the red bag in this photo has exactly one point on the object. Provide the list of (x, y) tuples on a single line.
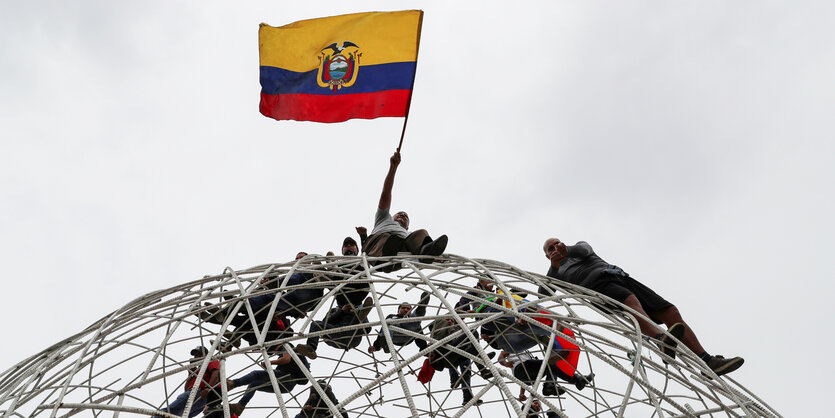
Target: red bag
[(426, 372)]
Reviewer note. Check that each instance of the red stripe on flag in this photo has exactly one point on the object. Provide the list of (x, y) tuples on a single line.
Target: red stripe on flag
[(329, 109)]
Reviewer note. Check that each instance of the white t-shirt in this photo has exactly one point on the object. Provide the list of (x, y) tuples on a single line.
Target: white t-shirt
[(519, 358), (383, 222)]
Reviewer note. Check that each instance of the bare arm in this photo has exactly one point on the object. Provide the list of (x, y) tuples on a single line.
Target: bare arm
[(385, 196), (214, 378), (363, 232), (503, 359)]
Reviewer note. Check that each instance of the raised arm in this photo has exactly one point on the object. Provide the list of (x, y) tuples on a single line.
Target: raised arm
[(385, 196)]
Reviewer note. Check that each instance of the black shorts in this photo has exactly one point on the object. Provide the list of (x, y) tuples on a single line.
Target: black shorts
[(619, 288)]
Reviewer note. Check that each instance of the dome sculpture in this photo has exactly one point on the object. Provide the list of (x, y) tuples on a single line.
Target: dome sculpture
[(134, 361)]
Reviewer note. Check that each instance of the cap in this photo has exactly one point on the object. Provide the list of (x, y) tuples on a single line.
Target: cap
[(199, 350), (349, 240)]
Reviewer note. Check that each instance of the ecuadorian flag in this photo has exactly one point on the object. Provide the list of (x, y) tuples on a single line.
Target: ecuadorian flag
[(338, 68)]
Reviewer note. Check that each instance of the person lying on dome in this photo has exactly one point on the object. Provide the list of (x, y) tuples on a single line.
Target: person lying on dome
[(211, 377), (315, 406), (391, 233), (400, 339), (295, 303), (445, 358), (338, 317), (288, 374), (578, 264)]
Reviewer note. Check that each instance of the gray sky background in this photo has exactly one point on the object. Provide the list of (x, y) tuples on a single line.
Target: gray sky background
[(689, 143)]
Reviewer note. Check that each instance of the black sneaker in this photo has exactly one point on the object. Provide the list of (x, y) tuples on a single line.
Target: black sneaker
[(435, 247), (212, 315), (306, 351), (667, 343), (581, 381), (721, 365), (424, 299), (552, 389)]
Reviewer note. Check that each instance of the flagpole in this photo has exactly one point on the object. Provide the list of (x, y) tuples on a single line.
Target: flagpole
[(405, 120), (411, 90)]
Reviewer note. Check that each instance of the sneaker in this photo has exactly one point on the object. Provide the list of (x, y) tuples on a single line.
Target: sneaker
[(721, 365), (424, 299), (477, 402), (212, 315), (552, 389), (435, 247), (365, 309), (236, 408), (306, 351), (581, 381), (667, 343)]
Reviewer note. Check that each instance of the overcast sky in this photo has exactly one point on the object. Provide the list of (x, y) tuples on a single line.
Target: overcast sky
[(689, 143)]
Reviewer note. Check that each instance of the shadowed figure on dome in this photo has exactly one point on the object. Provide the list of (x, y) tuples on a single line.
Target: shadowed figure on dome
[(210, 377), (562, 363), (505, 332), (580, 265), (354, 291), (288, 374), (404, 311), (536, 411), (316, 407), (338, 317), (458, 365), (391, 233), (295, 303)]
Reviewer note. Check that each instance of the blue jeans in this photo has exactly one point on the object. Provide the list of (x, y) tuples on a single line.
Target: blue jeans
[(259, 380), (179, 404), (464, 377)]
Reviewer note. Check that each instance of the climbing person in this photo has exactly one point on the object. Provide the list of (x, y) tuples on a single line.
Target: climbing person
[(210, 377), (288, 374), (404, 311), (338, 317), (316, 407)]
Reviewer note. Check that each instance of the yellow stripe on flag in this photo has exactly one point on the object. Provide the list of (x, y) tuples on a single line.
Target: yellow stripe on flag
[(383, 37)]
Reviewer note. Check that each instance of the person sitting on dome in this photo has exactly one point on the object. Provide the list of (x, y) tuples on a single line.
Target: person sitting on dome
[(391, 233), (400, 339), (338, 317), (315, 406), (578, 264), (211, 377), (288, 374)]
